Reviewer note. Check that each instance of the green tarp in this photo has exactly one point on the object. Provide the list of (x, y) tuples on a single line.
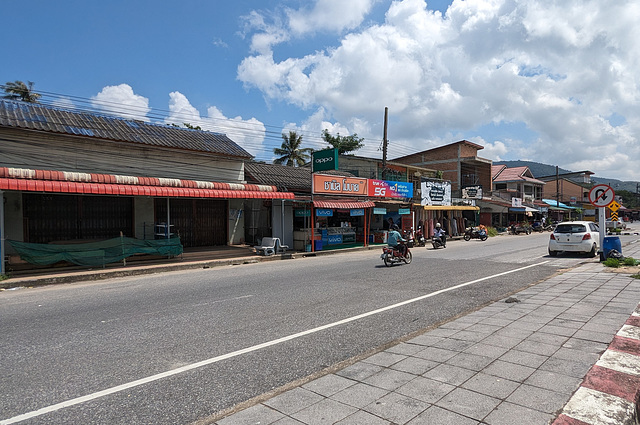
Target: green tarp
[(95, 253)]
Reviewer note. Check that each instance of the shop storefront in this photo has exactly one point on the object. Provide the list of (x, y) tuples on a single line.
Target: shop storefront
[(345, 222)]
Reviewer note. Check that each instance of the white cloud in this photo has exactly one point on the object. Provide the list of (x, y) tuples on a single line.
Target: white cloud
[(329, 16), (122, 101), (250, 134), (558, 68)]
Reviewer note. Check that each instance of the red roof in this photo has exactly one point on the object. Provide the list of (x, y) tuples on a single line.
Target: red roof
[(28, 180)]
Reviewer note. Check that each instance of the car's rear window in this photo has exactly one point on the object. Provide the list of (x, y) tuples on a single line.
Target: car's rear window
[(571, 228)]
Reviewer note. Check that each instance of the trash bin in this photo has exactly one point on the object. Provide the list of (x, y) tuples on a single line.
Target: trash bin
[(609, 243), (318, 245)]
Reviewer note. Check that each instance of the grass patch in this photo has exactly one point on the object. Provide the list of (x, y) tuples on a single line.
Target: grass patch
[(611, 262), (630, 262), (492, 231), (3, 277)]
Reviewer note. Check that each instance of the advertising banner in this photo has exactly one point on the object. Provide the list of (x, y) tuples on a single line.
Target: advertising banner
[(390, 189), (336, 185), (326, 159), (435, 193), (357, 212), (472, 192), (324, 212)]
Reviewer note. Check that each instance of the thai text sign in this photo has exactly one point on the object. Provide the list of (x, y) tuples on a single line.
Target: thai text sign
[(337, 185), (472, 192), (435, 193), (389, 189), (326, 159)]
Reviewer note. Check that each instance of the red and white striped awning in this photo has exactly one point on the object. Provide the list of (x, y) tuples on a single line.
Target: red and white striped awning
[(343, 204), (27, 180)]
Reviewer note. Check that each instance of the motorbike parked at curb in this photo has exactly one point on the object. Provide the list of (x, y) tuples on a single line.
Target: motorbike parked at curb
[(517, 229), (391, 256), (475, 233), (419, 239), (538, 227)]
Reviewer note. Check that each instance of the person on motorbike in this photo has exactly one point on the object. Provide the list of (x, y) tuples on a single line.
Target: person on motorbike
[(440, 233), (395, 239)]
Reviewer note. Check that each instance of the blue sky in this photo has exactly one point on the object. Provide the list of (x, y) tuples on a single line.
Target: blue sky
[(549, 81)]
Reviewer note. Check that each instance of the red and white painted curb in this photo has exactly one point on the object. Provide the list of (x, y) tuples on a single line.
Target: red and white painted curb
[(609, 393)]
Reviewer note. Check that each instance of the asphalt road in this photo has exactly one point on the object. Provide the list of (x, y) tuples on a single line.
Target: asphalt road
[(178, 347)]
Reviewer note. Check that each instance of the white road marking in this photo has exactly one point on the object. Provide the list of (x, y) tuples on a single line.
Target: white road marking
[(123, 387)]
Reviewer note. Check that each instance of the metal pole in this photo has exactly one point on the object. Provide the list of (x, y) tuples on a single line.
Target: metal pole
[(2, 266), (603, 229), (282, 230), (167, 229)]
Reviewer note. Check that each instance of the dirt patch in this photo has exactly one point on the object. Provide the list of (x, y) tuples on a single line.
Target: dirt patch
[(624, 269)]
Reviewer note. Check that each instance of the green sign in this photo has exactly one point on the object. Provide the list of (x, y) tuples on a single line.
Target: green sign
[(302, 213), (326, 159)]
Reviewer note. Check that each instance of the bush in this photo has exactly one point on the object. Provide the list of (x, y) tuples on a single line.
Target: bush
[(630, 262), (492, 231), (612, 262)]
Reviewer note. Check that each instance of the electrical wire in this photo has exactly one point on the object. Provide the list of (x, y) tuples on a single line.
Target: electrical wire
[(261, 138)]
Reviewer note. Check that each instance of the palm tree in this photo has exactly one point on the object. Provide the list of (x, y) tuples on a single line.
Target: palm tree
[(18, 90), (290, 152)]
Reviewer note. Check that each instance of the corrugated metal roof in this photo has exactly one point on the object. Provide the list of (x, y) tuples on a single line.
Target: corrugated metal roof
[(39, 117), (297, 179)]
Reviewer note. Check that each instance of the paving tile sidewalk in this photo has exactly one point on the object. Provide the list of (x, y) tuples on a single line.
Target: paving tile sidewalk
[(508, 363)]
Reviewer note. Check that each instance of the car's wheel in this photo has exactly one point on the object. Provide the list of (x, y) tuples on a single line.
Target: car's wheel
[(553, 253), (593, 251)]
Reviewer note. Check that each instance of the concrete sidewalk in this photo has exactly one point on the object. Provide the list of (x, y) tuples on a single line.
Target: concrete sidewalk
[(564, 351)]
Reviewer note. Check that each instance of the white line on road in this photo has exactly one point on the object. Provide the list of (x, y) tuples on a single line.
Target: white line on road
[(212, 360)]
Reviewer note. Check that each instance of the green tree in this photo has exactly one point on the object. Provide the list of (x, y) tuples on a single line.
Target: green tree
[(344, 144), (290, 152), (18, 90)]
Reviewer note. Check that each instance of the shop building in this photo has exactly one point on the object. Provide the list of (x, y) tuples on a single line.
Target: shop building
[(76, 176)]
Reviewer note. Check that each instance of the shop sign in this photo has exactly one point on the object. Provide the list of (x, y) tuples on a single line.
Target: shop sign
[(357, 212), (336, 185), (472, 192), (324, 212), (404, 211), (516, 202), (302, 213), (435, 193), (326, 159), (380, 211), (334, 239), (390, 189)]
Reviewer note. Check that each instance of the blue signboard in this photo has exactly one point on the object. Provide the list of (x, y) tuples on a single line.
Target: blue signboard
[(381, 211), (324, 212), (335, 239), (357, 212), (404, 211)]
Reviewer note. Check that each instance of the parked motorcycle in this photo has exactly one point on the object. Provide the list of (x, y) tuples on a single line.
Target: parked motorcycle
[(408, 235), (419, 239), (516, 229), (392, 256), (437, 242), (475, 233)]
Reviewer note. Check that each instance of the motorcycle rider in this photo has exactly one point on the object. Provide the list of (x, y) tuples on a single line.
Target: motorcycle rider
[(395, 238), (440, 233)]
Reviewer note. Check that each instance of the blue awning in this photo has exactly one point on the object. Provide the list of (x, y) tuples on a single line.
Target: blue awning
[(554, 203)]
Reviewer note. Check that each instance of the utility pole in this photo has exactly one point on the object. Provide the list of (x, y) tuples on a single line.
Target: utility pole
[(384, 144)]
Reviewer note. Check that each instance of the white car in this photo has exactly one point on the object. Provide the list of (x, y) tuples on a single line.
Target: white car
[(615, 224), (575, 236)]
